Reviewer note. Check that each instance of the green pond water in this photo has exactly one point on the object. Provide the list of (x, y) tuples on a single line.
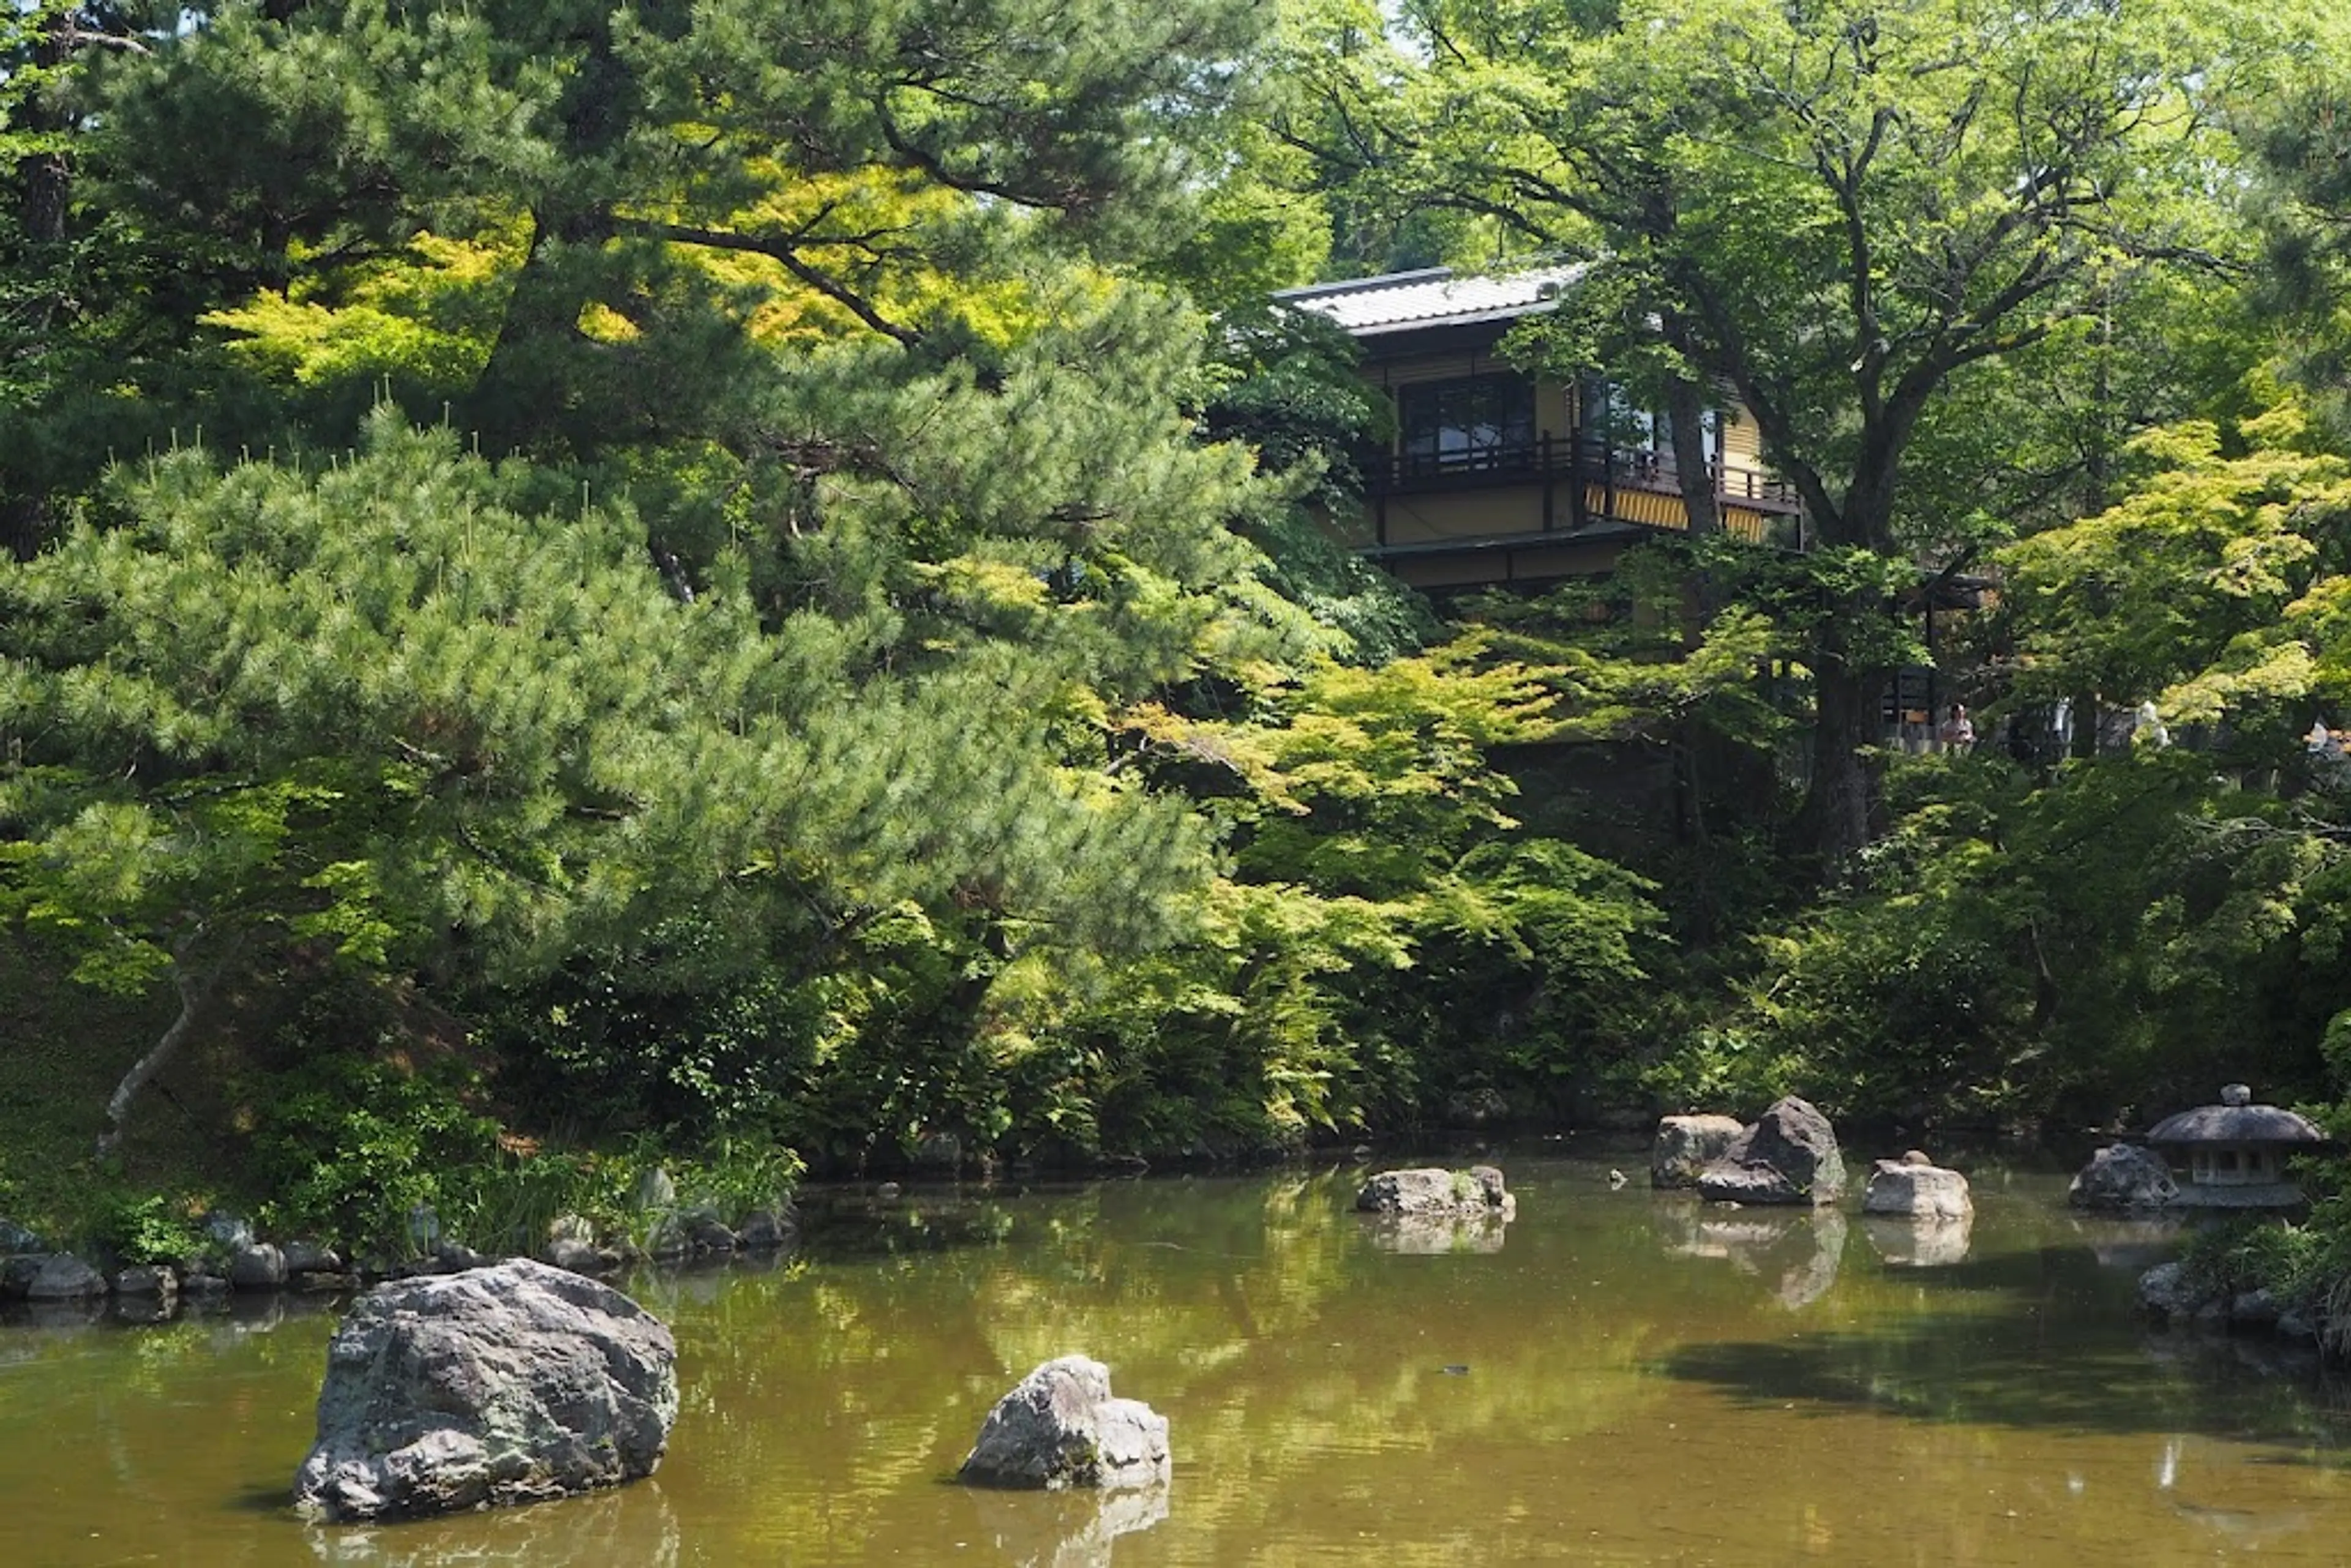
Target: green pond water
[(1621, 1376)]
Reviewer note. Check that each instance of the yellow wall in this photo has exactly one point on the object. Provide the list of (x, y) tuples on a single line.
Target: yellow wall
[(1742, 443), (1468, 514)]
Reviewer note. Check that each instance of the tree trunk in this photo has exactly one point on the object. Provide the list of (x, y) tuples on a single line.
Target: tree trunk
[(25, 525), (44, 180), (194, 987), (1686, 412), (1841, 807)]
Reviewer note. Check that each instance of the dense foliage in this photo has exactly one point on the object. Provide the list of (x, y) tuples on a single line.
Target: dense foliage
[(600, 585)]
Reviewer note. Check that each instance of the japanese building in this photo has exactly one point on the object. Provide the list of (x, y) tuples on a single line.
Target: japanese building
[(1496, 477)]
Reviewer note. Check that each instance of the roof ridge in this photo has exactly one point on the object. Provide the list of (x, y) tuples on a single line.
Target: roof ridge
[(1367, 284)]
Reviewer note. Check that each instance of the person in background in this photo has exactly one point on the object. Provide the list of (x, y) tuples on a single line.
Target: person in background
[(1958, 733)]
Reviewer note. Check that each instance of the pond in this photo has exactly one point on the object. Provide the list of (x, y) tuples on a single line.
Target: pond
[(1621, 1376)]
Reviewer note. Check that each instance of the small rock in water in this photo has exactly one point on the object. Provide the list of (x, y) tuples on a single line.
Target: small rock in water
[(1923, 1191), (1428, 1190), (1615, 1180), (1685, 1145), (1060, 1428), (1455, 1369)]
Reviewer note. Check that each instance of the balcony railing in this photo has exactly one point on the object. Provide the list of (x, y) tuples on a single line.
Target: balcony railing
[(1579, 460)]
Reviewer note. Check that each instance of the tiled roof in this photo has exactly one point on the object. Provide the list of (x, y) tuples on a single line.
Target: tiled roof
[(1431, 297)]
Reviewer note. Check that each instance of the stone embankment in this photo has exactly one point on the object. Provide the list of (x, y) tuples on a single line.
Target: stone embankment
[(234, 1260), (2173, 1294)]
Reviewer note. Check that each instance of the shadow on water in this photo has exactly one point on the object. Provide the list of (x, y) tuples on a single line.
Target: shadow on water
[(2015, 1367), (257, 1498)]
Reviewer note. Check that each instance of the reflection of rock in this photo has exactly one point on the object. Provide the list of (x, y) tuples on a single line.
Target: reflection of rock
[(505, 1384), (1687, 1145), (1059, 1428), (1430, 1234), (66, 1315), (632, 1527), (132, 1309), (2132, 1244), (1918, 1191), (1698, 1232), (1062, 1532), (1474, 1193), (1746, 1241), (2123, 1177), (1789, 1156), (1796, 1253), (1917, 1243), (1805, 1280)]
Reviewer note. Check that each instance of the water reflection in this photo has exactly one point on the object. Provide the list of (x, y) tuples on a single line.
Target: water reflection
[(2136, 1244), (1430, 1234), (1063, 1529), (1796, 1252), (1329, 1399), (2006, 1369), (53, 1316), (1920, 1242), (633, 1525)]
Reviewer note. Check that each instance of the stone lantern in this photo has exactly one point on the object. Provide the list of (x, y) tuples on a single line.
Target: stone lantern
[(2235, 1152)]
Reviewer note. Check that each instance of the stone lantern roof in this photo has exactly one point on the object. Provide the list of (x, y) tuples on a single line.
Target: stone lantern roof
[(2235, 1120)]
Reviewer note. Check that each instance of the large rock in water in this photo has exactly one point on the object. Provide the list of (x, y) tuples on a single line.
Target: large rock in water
[(2123, 1177), (1790, 1155), (1475, 1193), (1685, 1145), (1920, 1191), (1059, 1428), (502, 1384)]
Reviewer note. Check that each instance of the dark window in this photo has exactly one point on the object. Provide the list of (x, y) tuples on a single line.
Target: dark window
[(1480, 422)]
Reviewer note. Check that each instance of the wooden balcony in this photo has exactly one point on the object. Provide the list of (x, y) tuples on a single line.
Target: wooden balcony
[(1585, 481)]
